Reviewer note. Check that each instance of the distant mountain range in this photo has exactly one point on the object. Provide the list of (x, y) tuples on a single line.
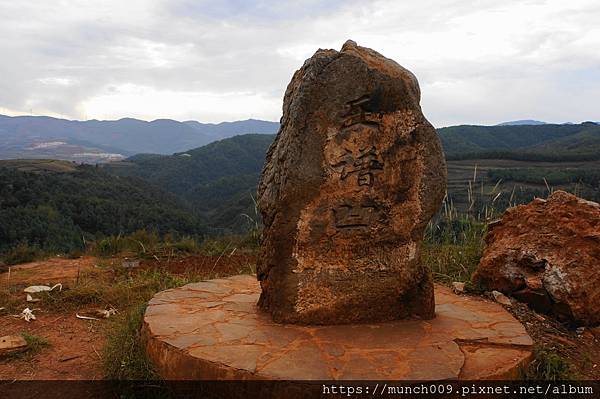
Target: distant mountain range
[(100, 141), (94, 141), (522, 122)]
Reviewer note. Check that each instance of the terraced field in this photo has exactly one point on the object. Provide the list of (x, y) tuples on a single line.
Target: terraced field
[(474, 172)]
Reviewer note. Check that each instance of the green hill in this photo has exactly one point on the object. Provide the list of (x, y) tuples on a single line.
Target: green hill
[(522, 142), (55, 205), (219, 180)]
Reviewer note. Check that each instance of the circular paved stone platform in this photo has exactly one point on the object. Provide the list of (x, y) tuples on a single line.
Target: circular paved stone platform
[(212, 330)]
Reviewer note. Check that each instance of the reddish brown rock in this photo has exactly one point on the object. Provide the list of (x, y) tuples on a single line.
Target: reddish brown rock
[(11, 344), (352, 179), (212, 330), (547, 253)]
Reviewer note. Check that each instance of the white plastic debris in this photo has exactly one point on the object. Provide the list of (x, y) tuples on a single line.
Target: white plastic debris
[(96, 314), (32, 299), (85, 317), (27, 315), (130, 264), (42, 288), (109, 312)]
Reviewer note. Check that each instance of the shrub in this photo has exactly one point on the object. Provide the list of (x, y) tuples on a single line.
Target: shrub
[(548, 365), (22, 253)]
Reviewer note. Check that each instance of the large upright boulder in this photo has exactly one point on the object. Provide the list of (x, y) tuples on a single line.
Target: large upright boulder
[(352, 179), (547, 254)]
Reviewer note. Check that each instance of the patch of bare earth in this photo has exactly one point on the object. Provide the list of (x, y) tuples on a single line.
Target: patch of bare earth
[(74, 351), (50, 271), (580, 349), (74, 345)]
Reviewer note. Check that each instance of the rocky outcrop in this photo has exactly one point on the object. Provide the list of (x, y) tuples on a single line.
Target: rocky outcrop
[(352, 179), (547, 254)]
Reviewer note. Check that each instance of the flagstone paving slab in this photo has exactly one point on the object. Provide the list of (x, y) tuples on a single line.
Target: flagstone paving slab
[(213, 330)]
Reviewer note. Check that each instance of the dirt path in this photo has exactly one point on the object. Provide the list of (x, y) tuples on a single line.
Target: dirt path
[(580, 349)]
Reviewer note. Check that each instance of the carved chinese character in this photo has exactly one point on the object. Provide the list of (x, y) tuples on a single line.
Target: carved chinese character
[(364, 110), (363, 165), (349, 215)]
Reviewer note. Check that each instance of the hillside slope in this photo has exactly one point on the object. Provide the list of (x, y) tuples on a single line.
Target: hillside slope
[(219, 179), (54, 204), (534, 142)]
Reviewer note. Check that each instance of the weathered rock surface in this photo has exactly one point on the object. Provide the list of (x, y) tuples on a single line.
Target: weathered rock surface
[(349, 184), (213, 330), (11, 344), (547, 253)]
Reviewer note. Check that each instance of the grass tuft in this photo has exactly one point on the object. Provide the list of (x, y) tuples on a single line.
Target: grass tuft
[(35, 343), (452, 249), (548, 365), (124, 354)]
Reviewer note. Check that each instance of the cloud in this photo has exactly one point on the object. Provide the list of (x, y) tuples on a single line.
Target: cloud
[(477, 61)]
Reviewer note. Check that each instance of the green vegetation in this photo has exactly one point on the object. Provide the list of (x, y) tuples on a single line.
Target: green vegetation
[(452, 248), (23, 253), (551, 176), (218, 180), (45, 210), (523, 142), (124, 356), (120, 290), (114, 284), (55, 206), (35, 343), (477, 186), (150, 208), (548, 365)]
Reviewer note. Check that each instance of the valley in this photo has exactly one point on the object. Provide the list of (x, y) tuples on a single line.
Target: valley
[(210, 190)]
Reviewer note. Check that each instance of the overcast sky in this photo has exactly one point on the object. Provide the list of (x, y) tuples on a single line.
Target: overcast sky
[(479, 62)]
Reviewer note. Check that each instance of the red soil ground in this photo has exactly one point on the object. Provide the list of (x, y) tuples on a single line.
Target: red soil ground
[(76, 345)]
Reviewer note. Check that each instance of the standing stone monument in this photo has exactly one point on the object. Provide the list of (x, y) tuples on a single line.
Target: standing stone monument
[(354, 175), (352, 179)]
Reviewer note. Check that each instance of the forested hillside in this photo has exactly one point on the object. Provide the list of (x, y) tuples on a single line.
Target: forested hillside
[(218, 180), (55, 205), (523, 142)]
